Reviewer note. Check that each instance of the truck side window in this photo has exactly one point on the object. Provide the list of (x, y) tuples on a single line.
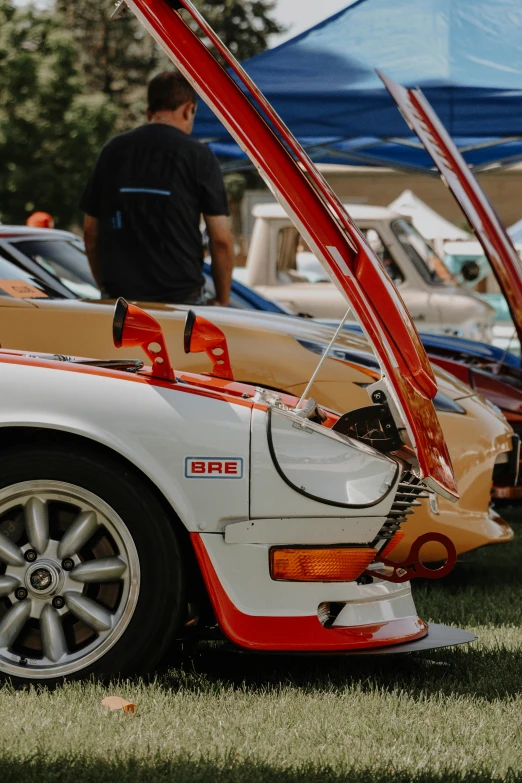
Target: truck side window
[(288, 250), (383, 254), (295, 261)]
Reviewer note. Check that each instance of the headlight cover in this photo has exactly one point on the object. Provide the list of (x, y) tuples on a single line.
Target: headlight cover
[(327, 467)]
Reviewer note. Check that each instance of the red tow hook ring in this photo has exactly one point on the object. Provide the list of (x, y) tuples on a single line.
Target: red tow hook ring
[(412, 568)]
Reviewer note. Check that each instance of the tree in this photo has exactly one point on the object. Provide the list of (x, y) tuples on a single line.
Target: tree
[(245, 26), (51, 129), (116, 56), (119, 56)]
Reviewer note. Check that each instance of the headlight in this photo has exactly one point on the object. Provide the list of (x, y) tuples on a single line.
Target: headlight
[(444, 403)]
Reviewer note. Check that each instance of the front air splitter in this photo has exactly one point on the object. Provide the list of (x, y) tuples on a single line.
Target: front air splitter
[(438, 636)]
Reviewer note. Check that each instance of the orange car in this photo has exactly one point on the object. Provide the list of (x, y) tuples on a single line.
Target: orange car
[(281, 353)]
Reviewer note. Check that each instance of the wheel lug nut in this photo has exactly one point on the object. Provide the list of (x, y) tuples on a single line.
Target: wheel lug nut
[(21, 593), (30, 555), (58, 602), (68, 564)]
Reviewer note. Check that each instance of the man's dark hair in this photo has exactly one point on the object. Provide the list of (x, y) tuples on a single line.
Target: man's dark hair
[(168, 91)]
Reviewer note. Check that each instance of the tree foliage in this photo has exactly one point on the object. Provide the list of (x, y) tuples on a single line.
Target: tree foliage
[(245, 26), (119, 56), (70, 78), (51, 129)]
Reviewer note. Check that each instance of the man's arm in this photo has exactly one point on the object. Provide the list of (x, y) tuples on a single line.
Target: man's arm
[(90, 237), (222, 256)]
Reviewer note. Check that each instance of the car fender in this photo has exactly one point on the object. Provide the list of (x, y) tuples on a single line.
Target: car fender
[(156, 429)]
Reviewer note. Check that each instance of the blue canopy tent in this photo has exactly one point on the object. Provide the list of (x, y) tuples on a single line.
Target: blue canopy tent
[(466, 55)]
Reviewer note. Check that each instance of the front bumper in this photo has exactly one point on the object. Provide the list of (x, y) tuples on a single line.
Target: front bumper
[(468, 530), (256, 613)]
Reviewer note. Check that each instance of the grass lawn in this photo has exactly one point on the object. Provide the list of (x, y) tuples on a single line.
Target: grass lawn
[(454, 715)]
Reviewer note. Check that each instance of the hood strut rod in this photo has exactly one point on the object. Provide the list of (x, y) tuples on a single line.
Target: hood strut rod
[(324, 357)]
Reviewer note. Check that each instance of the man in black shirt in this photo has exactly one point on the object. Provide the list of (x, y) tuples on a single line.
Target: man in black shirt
[(144, 201)]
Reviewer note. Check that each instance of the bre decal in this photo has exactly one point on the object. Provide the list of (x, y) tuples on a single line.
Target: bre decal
[(214, 467)]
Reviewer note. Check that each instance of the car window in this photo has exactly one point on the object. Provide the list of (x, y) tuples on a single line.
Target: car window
[(423, 256), (297, 263), (66, 260), (383, 254), (16, 283)]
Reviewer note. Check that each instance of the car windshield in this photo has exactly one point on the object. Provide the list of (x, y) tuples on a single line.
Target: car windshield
[(17, 284), (423, 256), (66, 260)]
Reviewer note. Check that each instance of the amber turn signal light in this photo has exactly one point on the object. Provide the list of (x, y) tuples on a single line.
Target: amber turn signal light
[(392, 543), (324, 564)]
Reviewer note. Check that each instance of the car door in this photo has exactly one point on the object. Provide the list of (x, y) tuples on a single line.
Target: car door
[(408, 383)]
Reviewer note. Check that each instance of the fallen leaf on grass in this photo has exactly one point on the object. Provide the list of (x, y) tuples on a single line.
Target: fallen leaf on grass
[(117, 703)]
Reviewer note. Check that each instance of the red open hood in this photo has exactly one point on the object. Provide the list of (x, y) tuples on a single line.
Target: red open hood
[(321, 219), (490, 231)]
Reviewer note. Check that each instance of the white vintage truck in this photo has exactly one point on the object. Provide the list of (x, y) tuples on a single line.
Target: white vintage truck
[(281, 267)]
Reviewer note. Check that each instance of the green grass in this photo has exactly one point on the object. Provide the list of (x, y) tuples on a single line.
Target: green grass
[(453, 715)]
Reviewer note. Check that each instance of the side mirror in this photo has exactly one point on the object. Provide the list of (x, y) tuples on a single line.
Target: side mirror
[(470, 271), (202, 335), (133, 326)]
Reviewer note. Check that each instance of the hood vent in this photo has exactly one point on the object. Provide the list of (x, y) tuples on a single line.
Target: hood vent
[(410, 492)]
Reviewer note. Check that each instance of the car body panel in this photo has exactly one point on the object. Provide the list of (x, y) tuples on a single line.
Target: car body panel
[(321, 218), (106, 417), (270, 350)]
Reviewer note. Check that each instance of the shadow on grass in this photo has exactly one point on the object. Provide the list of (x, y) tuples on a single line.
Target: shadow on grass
[(487, 675), (78, 770)]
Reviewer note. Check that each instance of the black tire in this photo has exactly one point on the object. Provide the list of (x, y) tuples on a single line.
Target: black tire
[(160, 604)]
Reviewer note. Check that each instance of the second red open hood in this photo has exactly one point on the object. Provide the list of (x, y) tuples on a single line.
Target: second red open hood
[(320, 218), (491, 233)]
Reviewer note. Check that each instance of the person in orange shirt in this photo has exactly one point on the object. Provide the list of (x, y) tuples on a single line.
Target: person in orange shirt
[(40, 220)]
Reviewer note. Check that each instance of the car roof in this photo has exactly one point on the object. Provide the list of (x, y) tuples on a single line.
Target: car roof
[(28, 232), (464, 247), (356, 211)]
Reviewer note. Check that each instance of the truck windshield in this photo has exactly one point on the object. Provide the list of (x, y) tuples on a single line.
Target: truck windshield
[(422, 255)]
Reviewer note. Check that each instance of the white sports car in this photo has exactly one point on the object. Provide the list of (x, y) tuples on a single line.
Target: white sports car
[(138, 505)]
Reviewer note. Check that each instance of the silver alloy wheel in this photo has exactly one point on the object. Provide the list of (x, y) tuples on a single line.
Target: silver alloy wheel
[(69, 579)]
